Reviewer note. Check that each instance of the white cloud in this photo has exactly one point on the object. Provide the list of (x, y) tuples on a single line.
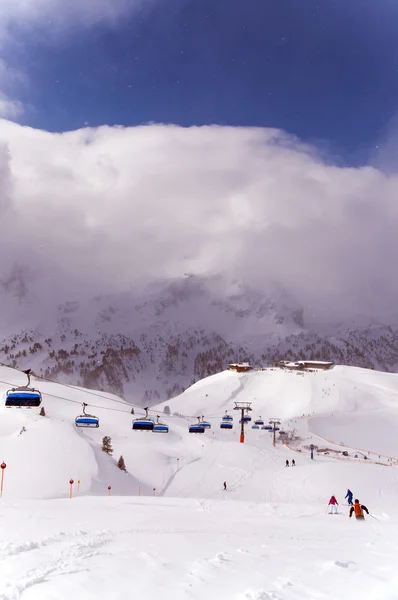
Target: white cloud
[(10, 80), (58, 14), (9, 108), (109, 207)]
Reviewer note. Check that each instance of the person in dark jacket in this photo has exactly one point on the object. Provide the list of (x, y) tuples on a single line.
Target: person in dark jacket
[(293, 463), (225, 485), (358, 510), (287, 463), (349, 496)]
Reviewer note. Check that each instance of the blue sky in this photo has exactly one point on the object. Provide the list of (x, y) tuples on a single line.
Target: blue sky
[(326, 71)]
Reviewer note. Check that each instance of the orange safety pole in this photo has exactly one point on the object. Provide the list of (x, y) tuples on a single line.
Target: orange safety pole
[(109, 490), (71, 482), (3, 467)]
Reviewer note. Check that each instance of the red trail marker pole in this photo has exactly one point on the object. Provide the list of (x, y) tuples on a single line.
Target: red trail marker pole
[(3, 467), (78, 485), (109, 490), (154, 491), (71, 482)]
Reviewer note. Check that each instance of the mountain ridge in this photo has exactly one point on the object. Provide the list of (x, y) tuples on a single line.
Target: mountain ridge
[(152, 345)]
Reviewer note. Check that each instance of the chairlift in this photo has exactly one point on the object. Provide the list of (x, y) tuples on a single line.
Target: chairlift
[(259, 421), (197, 427), (86, 420), (227, 418), (160, 427), (205, 424), (226, 425), (255, 426), (267, 427), (143, 423), (23, 396)]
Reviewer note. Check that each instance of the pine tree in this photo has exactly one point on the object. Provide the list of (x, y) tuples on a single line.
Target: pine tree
[(107, 445), (166, 410), (42, 412), (132, 411), (121, 464)]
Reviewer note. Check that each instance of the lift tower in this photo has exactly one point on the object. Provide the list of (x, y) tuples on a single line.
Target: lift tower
[(243, 407), (274, 423)]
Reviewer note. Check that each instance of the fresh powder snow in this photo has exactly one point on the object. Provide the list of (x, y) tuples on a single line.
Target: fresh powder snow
[(167, 528)]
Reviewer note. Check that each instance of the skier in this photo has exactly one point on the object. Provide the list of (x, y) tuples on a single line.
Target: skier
[(225, 485), (287, 463), (333, 505), (349, 495), (358, 510), (293, 463)]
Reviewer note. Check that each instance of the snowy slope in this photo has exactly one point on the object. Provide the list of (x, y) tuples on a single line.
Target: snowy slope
[(266, 537), (175, 549), (345, 405)]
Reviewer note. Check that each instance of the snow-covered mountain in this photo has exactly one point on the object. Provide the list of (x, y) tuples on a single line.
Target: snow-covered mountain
[(168, 528), (154, 344)]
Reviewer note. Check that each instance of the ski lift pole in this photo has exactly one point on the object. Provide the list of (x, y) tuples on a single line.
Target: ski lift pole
[(312, 448), (242, 427), (243, 407), (3, 468), (274, 423)]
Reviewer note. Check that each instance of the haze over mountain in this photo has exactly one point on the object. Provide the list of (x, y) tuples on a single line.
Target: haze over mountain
[(109, 209), (151, 345)]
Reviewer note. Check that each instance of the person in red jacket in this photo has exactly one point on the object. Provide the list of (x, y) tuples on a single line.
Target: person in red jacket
[(333, 505)]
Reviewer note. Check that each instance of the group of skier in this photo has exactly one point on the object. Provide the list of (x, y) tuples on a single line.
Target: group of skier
[(356, 508), (293, 463)]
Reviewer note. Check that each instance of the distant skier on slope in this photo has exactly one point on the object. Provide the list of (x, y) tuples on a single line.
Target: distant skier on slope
[(293, 463), (287, 463), (358, 510), (349, 496), (333, 505), (225, 485)]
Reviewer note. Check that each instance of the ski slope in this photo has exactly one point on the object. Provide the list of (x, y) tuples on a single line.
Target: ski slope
[(168, 529)]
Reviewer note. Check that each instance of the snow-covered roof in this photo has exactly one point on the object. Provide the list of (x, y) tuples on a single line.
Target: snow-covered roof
[(298, 363), (315, 362)]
